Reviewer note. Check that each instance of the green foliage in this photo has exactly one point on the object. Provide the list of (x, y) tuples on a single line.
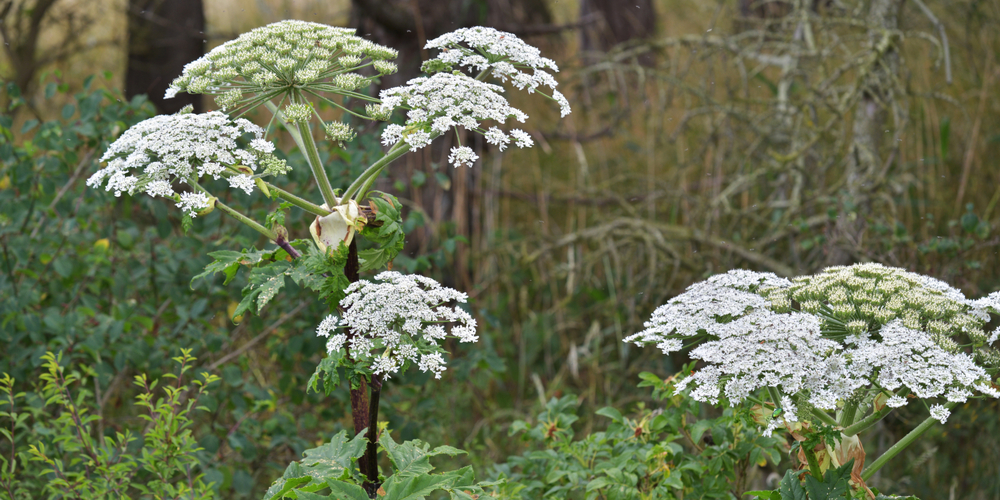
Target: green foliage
[(68, 447), (656, 454), (330, 472), (389, 237)]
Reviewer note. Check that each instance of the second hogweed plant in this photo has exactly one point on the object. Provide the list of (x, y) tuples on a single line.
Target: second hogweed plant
[(825, 357), (376, 329)]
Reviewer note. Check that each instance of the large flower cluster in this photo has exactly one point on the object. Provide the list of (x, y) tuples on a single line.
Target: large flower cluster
[(821, 338), (157, 153), (502, 53), (399, 321), (445, 100), (277, 57)]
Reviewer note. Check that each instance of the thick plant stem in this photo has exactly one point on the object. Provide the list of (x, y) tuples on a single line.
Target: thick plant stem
[(847, 416), (246, 220), (814, 469), (867, 422), (371, 452), (282, 242), (364, 409), (302, 203), (312, 156), (376, 168), (901, 445)]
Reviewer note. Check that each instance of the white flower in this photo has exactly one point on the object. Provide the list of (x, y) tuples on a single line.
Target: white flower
[(399, 319), (824, 337), (895, 401), (329, 324), (336, 343), (442, 101), (165, 150), (940, 413), (504, 54), (463, 154), (433, 363), (564, 108), (521, 138), (242, 181), (193, 202)]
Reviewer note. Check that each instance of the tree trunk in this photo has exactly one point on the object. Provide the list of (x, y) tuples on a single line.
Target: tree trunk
[(164, 35), (865, 157), (618, 22)]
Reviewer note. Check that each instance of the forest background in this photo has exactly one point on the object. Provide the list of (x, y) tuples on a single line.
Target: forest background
[(706, 136)]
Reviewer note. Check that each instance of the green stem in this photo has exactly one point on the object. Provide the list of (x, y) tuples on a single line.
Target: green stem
[(824, 417), (246, 220), (312, 156), (900, 445), (271, 235), (360, 185), (850, 409), (775, 397), (813, 463), (867, 422), (302, 203), (376, 168), (307, 145)]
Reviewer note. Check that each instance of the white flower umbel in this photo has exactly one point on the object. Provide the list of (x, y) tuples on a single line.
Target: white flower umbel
[(505, 55), (831, 338), (911, 358), (767, 349), (444, 101), (398, 320), (280, 57), (156, 154), (706, 305)]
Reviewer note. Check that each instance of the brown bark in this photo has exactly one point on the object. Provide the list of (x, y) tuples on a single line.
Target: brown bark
[(164, 35), (866, 156), (619, 22)]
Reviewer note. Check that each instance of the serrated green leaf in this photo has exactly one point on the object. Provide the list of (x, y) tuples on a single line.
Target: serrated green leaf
[(225, 261), (331, 459), (418, 487), (834, 484), (286, 485), (341, 490), (412, 458), (389, 236), (790, 488), (765, 494)]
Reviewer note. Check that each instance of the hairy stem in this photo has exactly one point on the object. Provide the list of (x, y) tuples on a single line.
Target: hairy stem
[(371, 452), (867, 422), (814, 469), (246, 220), (901, 445), (376, 168), (312, 156), (302, 203)]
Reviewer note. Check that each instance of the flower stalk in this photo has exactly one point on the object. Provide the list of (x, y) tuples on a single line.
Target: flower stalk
[(901, 445)]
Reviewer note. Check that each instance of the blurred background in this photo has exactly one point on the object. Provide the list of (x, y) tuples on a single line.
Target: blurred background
[(780, 136)]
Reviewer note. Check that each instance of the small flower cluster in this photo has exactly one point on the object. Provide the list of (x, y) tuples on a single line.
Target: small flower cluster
[(821, 338), (156, 153), (502, 53), (277, 57), (445, 100), (403, 319)]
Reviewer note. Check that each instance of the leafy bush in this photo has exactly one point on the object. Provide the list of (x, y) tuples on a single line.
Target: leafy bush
[(668, 452), (58, 447)]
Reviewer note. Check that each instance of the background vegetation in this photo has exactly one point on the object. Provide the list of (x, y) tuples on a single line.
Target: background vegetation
[(781, 136)]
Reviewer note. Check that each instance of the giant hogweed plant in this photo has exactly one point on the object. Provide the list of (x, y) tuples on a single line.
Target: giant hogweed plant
[(825, 357), (379, 329)]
